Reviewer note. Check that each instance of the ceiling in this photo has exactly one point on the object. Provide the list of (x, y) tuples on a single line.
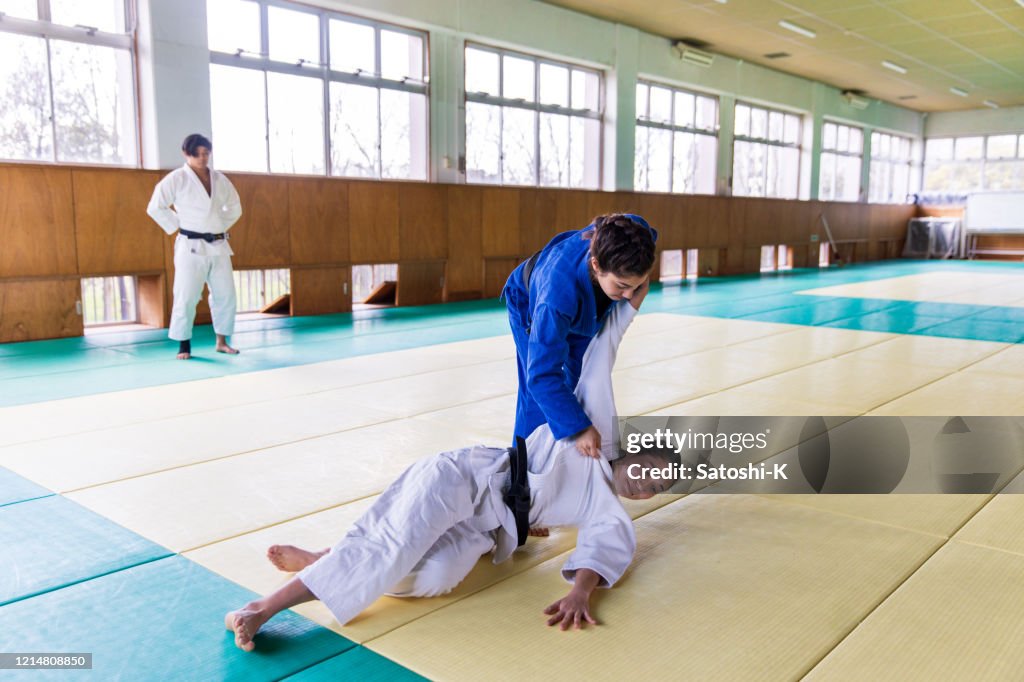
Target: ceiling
[(974, 45)]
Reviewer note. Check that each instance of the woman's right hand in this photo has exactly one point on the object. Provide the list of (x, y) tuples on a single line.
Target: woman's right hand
[(640, 293), (588, 442)]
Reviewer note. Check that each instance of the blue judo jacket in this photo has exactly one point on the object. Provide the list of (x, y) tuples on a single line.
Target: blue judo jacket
[(552, 325)]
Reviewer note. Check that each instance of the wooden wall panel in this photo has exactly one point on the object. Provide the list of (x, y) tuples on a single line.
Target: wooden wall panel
[(423, 222), (319, 291), (113, 233), (39, 309), (260, 238), (420, 283), (603, 203), (538, 210), (318, 221), (465, 278), (571, 211), (496, 272), (500, 219), (152, 300), (373, 222), (37, 229)]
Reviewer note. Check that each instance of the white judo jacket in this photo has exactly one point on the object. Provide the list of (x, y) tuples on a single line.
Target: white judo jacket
[(194, 209)]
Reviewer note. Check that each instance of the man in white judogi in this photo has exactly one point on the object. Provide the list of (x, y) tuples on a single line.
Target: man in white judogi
[(428, 529), (200, 204)]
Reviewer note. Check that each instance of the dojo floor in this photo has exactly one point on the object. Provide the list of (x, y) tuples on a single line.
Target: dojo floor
[(138, 493)]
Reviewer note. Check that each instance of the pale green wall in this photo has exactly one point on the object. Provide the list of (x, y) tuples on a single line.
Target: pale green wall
[(975, 122)]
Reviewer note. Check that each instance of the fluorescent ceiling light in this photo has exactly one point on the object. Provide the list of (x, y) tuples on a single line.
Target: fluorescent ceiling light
[(894, 67), (958, 91), (989, 103), (797, 29), (1020, 2)]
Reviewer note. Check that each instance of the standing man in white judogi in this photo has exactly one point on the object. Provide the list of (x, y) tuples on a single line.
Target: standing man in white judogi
[(201, 205)]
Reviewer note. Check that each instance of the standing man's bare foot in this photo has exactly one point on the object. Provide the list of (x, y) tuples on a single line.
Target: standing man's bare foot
[(290, 558), (245, 623), (538, 532), (223, 347), (183, 356)]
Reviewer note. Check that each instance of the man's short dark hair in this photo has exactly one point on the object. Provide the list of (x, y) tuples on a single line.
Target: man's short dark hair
[(193, 142)]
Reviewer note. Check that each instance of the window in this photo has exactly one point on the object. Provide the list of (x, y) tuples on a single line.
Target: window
[(842, 148), (256, 289), (889, 181), (676, 140), (672, 266), (300, 90), (766, 153), (967, 164), (67, 82), (109, 300), (376, 280), (531, 121)]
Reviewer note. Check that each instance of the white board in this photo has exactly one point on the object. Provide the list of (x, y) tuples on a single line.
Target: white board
[(995, 212)]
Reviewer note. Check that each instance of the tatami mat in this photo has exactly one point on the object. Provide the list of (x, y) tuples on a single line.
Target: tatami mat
[(723, 587)]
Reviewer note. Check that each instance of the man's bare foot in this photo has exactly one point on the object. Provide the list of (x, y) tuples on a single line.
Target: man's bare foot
[(225, 348), (538, 532), (184, 356), (245, 623), (290, 558)]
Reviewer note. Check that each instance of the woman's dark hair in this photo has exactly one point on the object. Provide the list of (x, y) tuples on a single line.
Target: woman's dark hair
[(193, 142), (622, 246)]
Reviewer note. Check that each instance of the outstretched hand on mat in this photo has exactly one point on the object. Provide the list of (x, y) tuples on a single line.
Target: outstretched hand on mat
[(573, 610)]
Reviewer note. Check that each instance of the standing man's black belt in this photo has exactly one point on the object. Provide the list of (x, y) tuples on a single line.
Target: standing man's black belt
[(517, 498), (205, 236)]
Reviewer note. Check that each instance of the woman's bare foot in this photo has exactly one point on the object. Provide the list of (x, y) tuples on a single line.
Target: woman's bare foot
[(290, 558), (245, 623), (223, 347)]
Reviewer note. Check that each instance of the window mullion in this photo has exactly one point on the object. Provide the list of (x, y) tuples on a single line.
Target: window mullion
[(53, 103), (536, 122)]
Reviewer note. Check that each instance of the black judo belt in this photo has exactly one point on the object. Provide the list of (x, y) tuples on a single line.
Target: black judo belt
[(528, 270), (517, 497), (208, 237)]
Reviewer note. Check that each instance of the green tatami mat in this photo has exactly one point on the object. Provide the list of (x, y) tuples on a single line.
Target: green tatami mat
[(53, 542), (163, 620)]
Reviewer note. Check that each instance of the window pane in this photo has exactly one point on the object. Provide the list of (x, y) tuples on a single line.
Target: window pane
[(483, 142), (293, 35), (775, 126), (969, 147), (233, 25), (554, 85), (684, 161), (23, 9), (401, 56), (403, 146), (842, 139), (880, 148), (856, 141), (947, 176), (827, 177), (828, 136), (352, 47), (707, 113), (749, 168), (792, 134), (106, 15), (108, 300), (900, 183), (661, 105), (296, 110), (641, 159), (584, 146), (1002, 147), (239, 122), (1020, 147), (554, 149), (518, 148), (758, 123), (789, 172), (706, 164), (685, 109), (354, 143), (586, 90), (1004, 175), (518, 78), (742, 120), (481, 71), (658, 173), (847, 178), (641, 100), (25, 130), (93, 102), (939, 149)]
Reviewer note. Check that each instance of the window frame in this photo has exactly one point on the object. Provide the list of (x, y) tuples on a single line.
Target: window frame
[(647, 122), (44, 28), (895, 162), (323, 71), (982, 161), (798, 146), (535, 106), (835, 151)]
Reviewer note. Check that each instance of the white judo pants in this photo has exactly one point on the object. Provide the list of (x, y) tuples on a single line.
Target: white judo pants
[(420, 538), (191, 272)]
